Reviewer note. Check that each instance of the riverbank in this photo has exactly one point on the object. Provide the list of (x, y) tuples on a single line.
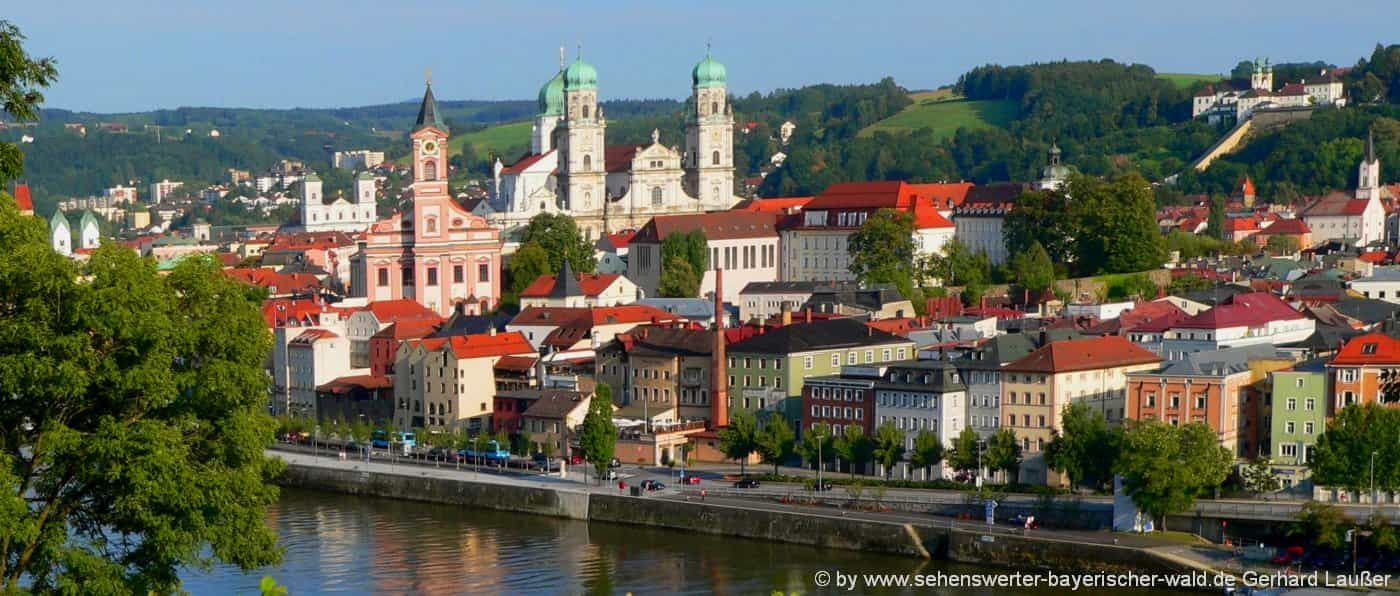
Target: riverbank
[(900, 533)]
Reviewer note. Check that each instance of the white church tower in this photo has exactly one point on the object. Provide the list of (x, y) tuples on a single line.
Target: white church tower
[(583, 173), (364, 197), (60, 235), (311, 211), (89, 233), (1368, 180), (1262, 77), (709, 137)]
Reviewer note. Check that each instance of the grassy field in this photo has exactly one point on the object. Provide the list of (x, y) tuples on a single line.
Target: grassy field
[(945, 113), (498, 138), (1183, 80)]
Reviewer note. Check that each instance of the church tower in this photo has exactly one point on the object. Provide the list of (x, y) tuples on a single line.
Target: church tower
[(1262, 76), (1368, 179), (364, 197), (709, 137), (551, 108), (431, 199), (582, 168), (311, 212)]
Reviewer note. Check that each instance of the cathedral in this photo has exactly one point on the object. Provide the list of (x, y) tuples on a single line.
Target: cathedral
[(320, 213), (606, 188)]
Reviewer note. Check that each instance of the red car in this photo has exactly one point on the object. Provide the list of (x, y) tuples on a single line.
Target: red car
[(1288, 556), (691, 479), (576, 460)]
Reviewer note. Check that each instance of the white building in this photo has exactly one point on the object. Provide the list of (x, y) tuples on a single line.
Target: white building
[(1360, 219), (763, 299), (980, 219), (320, 213), (360, 159), (744, 245), (921, 395), (817, 248), (315, 357), (1382, 284), (1242, 320), (60, 235), (159, 190), (89, 234), (120, 194), (578, 290), (1234, 101)]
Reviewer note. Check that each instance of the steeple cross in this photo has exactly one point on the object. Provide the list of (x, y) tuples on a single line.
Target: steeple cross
[(428, 75)]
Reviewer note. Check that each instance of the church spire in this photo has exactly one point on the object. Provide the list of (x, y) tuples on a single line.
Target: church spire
[(428, 112), (1371, 145)]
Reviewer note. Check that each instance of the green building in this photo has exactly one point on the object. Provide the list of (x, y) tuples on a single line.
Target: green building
[(1296, 414), (766, 371)]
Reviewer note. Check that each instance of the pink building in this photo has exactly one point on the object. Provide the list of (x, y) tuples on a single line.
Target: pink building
[(440, 254)]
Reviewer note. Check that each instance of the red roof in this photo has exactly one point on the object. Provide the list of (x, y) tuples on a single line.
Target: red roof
[(926, 216), (1241, 224), (1242, 310), (1292, 89), (592, 284), (720, 225), (1190, 224), (516, 363), (22, 197), (281, 283), (944, 195), (618, 158), (1292, 226), (621, 239), (408, 329), (1245, 186), (892, 194), (403, 309), (900, 327), (1336, 203), (1369, 349), (1151, 316), (525, 162), (311, 241), (345, 384), (774, 205), (1109, 351), (482, 345), (1375, 256)]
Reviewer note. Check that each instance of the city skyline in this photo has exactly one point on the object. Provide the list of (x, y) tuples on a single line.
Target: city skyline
[(318, 55)]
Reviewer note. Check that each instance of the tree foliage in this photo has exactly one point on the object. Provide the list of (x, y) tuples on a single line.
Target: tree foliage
[(817, 445), (1085, 449), (1166, 467), (131, 443), (964, 455), (853, 447), (678, 279), (598, 435), (22, 80), (776, 441), (684, 259), (560, 238), (1032, 269), (882, 250), (888, 446), (740, 439), (529, 262), (1343, 457), (927, 452), (1117, 228), (1259, 477), (1322, 523), (1003, 453)]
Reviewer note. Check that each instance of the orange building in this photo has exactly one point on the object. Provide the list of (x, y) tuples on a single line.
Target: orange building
[(1356, 372)]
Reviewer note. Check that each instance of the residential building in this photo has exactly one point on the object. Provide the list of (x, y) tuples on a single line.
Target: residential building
[(1039, 386), (437, 253), (1297, 415), (120, 194), (744, 245), (1358, 374), (841, 400), (978, 222), (356, 397), (919, 395), (874, 303), (587, 328), (1382, 284), (815, 242), (360, 159), (1289, 227), (384, 345), (572, 290), (161, 190), (364, 322), (1207, 387), (661, 374), (314, 357), (450, 382), (982, 374), (554, 417), (1241, 320), (767, 371), (761, 300)]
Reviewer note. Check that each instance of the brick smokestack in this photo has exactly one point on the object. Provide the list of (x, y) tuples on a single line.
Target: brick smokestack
[(719, 395)]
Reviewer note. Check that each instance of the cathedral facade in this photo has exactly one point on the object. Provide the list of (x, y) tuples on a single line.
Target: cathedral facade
[(572, 170)]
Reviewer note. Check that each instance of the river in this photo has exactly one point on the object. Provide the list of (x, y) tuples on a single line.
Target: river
[(364, 545)]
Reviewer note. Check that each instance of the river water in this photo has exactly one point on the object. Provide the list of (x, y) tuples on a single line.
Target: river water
[(364, 545)]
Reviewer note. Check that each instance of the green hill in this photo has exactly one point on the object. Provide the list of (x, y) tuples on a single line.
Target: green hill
[(945, 114), (499, 138), (1183, 80)]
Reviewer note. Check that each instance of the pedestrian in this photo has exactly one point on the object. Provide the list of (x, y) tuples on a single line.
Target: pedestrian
[(621, 485), (702, 495)]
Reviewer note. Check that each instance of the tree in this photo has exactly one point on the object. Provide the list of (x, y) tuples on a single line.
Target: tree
[(1003, 453), (1384, 536), (882, 250), (528, 263), (927, 452), (1117, 231), (776, 441), (1033, 269), (888, 446), (740, 439), (135, 403), (1343, 457), (692, 247), (1259, 477), (598, 435), (22, 79), (1166, 467), (966, 451), (1084, 450), (678, 279), (1215, 218), (559, 236), (1047, 218), (1280, 244), (817, 445), (958, 265), (1322, 523), (854, 447)]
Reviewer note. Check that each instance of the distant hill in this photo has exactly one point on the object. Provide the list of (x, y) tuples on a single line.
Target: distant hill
[(1184, 80), (945, 113)]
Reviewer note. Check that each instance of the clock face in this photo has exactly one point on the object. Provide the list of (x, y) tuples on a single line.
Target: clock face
[(430, 148)]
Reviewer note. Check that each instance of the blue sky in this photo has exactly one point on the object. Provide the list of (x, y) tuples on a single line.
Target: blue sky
[(132, 55)]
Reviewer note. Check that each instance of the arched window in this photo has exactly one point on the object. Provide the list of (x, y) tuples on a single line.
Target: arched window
[(432, 225), (430, 170), (587, 163), (656, 196), (587, 199), (714, 158), (714, 107), (585, 111)]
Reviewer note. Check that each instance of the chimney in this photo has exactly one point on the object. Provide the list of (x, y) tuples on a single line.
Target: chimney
[(719, 395), (786, 316), (808, 314)]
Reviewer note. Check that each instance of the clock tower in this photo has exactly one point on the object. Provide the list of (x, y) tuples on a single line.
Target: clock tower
[(430, 194), (709, 138)]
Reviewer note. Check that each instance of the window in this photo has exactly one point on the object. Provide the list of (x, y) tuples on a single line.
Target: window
[(1298, 382), (383, 276), (1175, 401), (807, 363), (869, 356), (835, 360), (430, 170), (1151, 399), (656, 196), (1370, 347), (777, 364), (1288, 427), (432, 276), (1307, 428), (885, 354), (1200, 401), (458, 276), (483, 272), (431, 225), (587, 159), (1292, 403), (1042, 421), (1309, 404), (1288, 450), (1042, 398), (851, 358)]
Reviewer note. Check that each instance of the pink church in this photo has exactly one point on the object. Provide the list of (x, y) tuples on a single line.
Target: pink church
[(441, 254)]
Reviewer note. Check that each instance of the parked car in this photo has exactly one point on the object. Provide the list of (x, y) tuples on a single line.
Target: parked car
[(1288, 556), (576, 459), (822, 485), (746, 483), (652, 485), (691, 479)]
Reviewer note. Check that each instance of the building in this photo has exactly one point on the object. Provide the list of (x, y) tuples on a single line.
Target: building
[(919, 395), (606, 188), (1207, 387), (981, 373), (1382, 284), (23, 199), (1294, 228), (365, 322), (569, 289), (583, 328), (1358, 219), (1241, 320), (321, 213), (659, 374), (60, 234), (767, 371), (448, 383), (764, 299), (120, 194), (161, 190), (1037, 387), (1297, 415), (553, 417), (360, 159), (744, 245), (89, 233), (979, 220), (1358, 373), (314, 357), (1055, 174), (356, 397), (841, 400), (816, 241), (437, 253), (1235, 100)]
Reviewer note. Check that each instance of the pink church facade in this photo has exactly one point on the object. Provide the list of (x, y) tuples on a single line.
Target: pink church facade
[(439, 254)]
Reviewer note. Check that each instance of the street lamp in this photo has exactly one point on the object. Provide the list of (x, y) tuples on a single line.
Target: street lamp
[(1373, 479)]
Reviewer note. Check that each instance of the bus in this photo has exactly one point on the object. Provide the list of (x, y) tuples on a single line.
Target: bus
[(492, 452), (406, 441)]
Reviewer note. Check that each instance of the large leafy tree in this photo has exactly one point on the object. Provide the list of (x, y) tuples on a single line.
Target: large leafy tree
[(1259, 477), (1322, 523), (598, 435), (817, 445), (1117, 231), (959, 265), (740, 439), (882, 250), (888, 446), (134, 424), (854, 447), (776, 441), (684, 258), (1003, 453), (560, 238), (678, 279), (927, 452), (1165, 467), (1033, 269), (966, 449), (22, 80), (1343, 457), (1084, 450), (1046, 218), (528, 263)]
